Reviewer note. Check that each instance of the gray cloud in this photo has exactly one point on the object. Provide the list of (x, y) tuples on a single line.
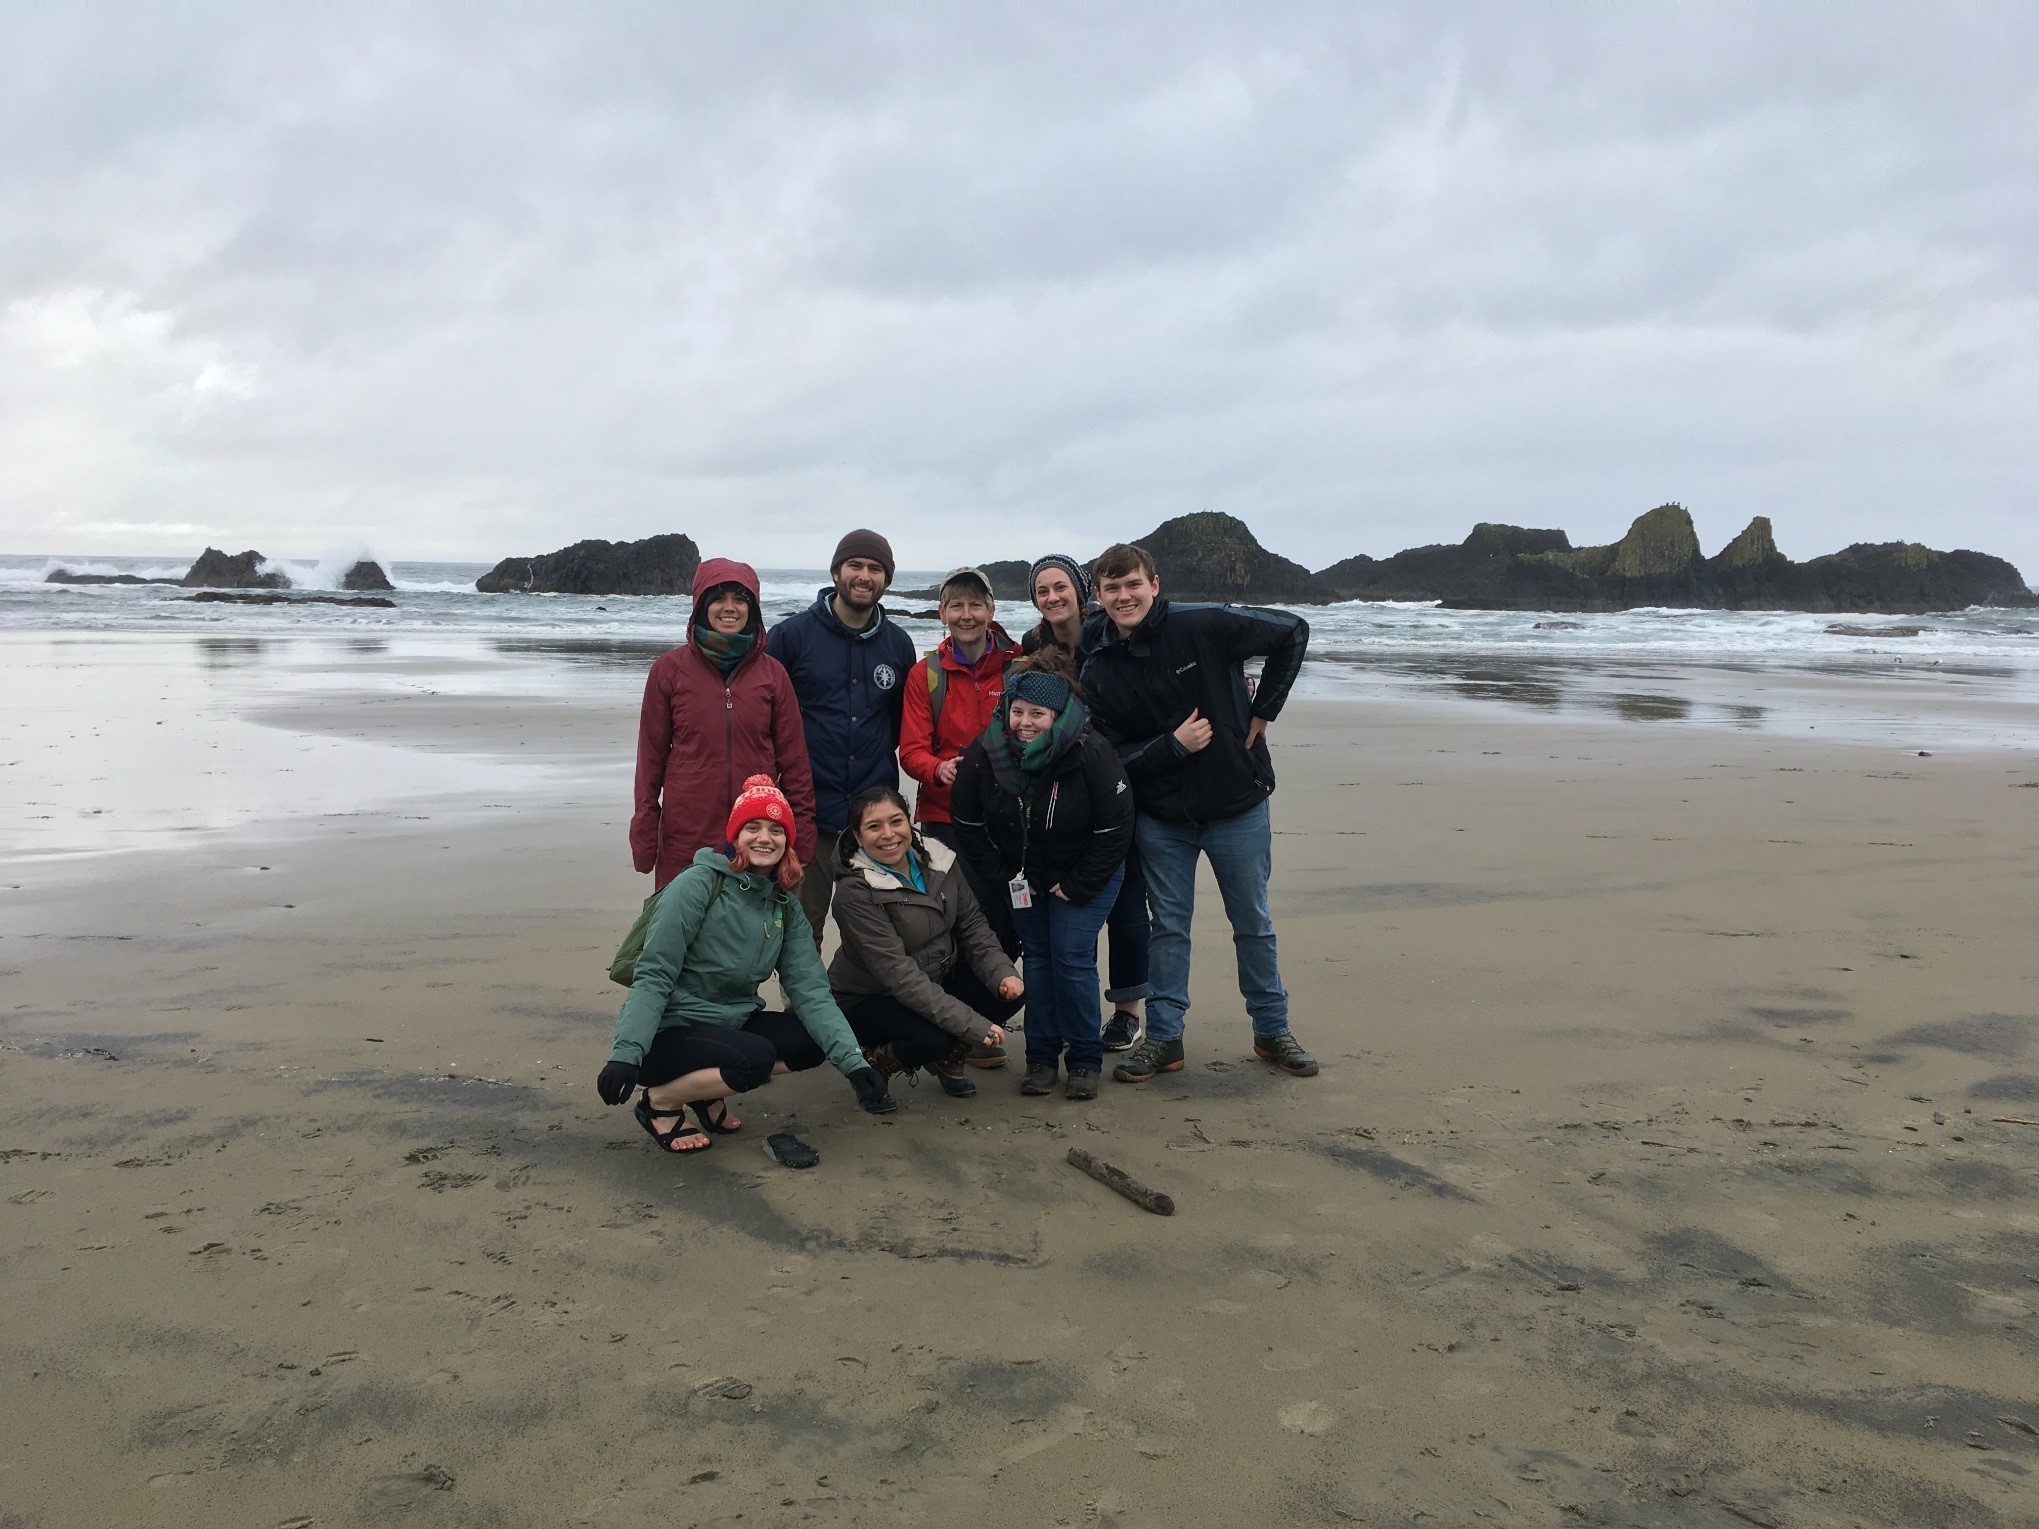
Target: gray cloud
[(467, 283)]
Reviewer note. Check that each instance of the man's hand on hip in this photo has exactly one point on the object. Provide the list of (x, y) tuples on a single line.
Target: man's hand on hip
[(1255, 731)]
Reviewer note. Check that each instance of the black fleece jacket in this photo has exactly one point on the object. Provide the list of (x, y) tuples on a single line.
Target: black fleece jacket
[(1073, 834), (1186, 658)]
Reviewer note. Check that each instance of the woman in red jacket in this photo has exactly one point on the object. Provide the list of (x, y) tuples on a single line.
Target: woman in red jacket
[(716, 711), (951, 697)]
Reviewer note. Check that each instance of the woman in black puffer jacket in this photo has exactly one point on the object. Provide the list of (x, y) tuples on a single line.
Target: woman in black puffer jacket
[(1042, 808)]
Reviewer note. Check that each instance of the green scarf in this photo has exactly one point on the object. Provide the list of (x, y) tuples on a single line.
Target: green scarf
[(725, 650)]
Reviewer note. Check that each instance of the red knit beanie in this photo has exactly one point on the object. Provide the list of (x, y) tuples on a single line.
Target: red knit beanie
[(760, 798)]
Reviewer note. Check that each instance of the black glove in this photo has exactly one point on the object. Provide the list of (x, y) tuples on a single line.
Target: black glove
[(871, 1092), (617, 1082)]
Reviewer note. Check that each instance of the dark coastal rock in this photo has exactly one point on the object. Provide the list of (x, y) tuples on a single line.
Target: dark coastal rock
[(1495, 567), (366, 575), (1659, 562), (65, 576), (658, 565), (239, 597), (1906, 579), (1213, 556), (1203, 556), (1008, 582), (215, 570)]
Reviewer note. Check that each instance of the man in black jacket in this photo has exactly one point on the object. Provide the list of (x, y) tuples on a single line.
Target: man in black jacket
[(1167, 686)]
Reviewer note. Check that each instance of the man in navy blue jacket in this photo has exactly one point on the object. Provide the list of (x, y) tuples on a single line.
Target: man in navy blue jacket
[(848, 664)]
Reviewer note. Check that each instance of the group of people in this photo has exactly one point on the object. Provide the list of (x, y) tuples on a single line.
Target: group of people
[(1067, 785)]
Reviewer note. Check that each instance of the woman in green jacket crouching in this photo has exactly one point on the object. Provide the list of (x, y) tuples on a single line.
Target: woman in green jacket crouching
[(693, 1030)]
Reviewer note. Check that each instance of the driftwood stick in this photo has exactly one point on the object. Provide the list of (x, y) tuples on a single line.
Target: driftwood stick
[(1121, 1181), (2013, 1120)]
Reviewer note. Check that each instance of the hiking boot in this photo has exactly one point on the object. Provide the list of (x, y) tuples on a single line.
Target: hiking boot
[(1148, 1058), (1286, 1052), (984, 1054), (1082, 1084), (1040, 1079), (1123, 1030), (949, 1072)]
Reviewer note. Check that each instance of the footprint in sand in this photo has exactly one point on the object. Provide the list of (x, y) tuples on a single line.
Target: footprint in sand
[(1312, 1418)]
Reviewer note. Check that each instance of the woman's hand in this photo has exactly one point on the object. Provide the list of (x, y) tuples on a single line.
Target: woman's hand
[(616, 1082), (1056, 891), (995, 1036), (945, 772), (1010, 988)]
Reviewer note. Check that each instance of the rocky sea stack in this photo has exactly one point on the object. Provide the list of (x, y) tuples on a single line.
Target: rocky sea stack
[(216, 570), (1214, 556), (366, 575), (658, 565), (1660, 562), (1209, 556)]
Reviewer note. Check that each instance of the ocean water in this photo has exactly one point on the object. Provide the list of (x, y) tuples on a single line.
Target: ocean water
[(1967, 679)]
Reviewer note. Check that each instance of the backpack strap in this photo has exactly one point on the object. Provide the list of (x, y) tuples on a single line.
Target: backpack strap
[(937, 689)]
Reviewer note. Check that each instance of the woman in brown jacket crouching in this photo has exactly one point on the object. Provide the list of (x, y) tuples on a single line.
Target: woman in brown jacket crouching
[(920, 976)]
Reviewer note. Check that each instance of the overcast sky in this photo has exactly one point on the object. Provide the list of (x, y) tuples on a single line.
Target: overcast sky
[(475, 281)]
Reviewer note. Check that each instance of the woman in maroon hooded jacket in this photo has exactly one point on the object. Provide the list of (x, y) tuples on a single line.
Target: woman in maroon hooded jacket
[(716, 711)]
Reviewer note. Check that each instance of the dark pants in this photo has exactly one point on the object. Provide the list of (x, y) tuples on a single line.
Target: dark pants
[(1130, 935), (817, 882), (744, 1056), (993, 900), (915, 1039), (1060, 941)]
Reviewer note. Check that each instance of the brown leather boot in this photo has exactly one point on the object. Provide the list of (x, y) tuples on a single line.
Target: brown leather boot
[(884, 1062), (951, 1072)]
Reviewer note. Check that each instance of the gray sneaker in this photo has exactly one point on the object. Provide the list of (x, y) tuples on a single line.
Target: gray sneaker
[(1286, 1052), (1123, 1030), (1148, 1058)]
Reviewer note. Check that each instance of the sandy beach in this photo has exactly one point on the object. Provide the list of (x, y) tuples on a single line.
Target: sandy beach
[(1673, 1160)]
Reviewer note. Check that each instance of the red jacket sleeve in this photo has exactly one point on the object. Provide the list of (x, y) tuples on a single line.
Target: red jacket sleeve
[(789, 748), (917, 727), (654, 745)]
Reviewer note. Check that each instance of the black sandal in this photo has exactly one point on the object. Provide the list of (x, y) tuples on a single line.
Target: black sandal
[(717, 1124), (680, 1131)]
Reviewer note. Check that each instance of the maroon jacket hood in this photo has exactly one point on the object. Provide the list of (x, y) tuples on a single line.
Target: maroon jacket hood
[(717, 571)]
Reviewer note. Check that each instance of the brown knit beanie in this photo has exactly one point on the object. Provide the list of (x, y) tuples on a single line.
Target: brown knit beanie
[(863, 544)]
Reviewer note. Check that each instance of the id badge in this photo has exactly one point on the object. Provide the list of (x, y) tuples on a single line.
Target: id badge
[(1022, 895)]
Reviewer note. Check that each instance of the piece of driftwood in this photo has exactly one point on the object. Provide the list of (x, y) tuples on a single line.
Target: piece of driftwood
[(2013, 1120), (1121, 1181)]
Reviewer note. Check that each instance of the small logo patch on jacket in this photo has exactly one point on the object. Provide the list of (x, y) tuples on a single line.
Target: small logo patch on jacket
[(1187, 667)]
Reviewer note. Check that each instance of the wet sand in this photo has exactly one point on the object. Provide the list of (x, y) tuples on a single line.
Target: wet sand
[(1621, 1198)]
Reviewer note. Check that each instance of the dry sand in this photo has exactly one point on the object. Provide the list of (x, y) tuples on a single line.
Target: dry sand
[(1624, 1196)]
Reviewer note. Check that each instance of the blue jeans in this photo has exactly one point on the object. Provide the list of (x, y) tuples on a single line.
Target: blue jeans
[(1126, 970), (1241, 852), (1058, 941)]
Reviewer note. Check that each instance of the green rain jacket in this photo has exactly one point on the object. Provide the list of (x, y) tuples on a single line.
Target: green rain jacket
[(703, 961)]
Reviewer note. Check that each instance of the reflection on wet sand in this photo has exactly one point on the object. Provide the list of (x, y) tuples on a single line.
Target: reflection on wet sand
[(1548, 685), (1650, 708), (231, 652), (602, 652)]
